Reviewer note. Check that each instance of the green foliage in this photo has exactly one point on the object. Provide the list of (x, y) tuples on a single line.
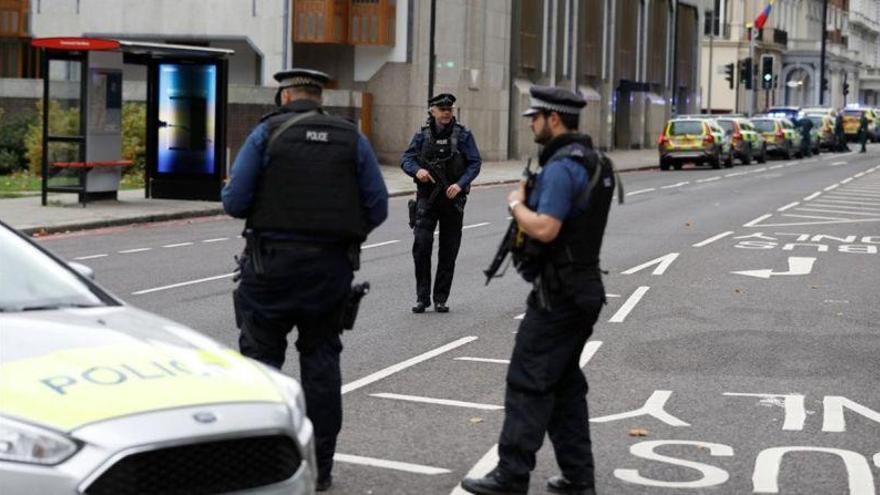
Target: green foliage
[(62, 122), (134, 136), (12, 148)]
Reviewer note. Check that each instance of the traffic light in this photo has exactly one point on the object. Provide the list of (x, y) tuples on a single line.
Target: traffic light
[(845, 88), (824, 84), (745, 72), (728, 74), (767, 72)]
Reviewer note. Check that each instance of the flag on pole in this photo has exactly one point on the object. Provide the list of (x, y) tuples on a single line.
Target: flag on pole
[(762, 17)]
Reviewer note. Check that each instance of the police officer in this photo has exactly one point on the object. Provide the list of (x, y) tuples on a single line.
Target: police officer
[(564, 219), (840, 133), (310, 188), (863, 132), (806, 127), (443, 160)]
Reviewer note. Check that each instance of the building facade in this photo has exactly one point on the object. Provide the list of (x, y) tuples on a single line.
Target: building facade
[(636, 61), (791, 38)]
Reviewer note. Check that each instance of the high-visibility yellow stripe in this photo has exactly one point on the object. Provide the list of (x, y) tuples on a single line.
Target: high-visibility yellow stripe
[(67, 389)]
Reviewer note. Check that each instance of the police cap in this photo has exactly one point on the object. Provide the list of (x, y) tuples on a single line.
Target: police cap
[(553, 99), (441, 100), (297, 77)]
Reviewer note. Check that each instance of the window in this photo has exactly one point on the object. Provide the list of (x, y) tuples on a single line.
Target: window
[(531, 21)]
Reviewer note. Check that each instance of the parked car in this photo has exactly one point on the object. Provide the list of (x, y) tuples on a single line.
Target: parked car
[(790, 113), (781, 136), (101, 398), (747, 143), (823, 125), (820, 111), (851, 122), (699, 141)]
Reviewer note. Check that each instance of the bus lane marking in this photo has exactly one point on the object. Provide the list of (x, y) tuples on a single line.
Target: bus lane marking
[(758, 220), (629, 305), (394, 465), (712, 239), (440, 402), (662, 263), (796, 266), (790, 205)]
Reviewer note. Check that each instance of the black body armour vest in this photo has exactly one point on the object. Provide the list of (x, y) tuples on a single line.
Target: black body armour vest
[(571, 261), (309, 185), (445, 149)]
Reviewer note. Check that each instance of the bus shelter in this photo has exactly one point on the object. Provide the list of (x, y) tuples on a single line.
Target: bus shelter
[(186, 101)]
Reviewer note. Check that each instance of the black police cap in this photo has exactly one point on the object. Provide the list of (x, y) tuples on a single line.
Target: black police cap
[(299, 77), (553, 99), (441, 100)]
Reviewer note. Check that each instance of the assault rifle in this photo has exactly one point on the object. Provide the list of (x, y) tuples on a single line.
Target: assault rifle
[(513, 237)]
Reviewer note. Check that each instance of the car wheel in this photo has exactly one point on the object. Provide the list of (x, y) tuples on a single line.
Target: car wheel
[(728, 162)]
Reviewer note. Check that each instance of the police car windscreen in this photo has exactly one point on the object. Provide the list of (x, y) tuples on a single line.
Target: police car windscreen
[(684, 127), (853, 113), (30, 280), (764, 125), (727, 125)]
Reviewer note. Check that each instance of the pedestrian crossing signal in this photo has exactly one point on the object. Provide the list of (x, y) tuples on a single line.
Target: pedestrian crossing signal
[(767, 73)]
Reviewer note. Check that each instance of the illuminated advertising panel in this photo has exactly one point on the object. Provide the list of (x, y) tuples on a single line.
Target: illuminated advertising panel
[(187, 119)]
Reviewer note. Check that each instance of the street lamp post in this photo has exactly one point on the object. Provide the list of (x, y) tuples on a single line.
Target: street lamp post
[(822, 53)]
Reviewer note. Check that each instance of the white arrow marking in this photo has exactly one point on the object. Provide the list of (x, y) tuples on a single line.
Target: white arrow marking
[(662, 263), (796, 266)]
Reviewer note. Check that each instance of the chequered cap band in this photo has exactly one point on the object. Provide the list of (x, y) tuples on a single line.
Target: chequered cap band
[(553, 107), (300, 81)]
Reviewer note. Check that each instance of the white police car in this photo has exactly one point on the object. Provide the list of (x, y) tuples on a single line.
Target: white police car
[(97, 397)]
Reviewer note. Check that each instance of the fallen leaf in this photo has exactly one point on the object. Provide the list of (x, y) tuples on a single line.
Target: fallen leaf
[(689, 224), (476, 420), (638, 432), (738, 291)]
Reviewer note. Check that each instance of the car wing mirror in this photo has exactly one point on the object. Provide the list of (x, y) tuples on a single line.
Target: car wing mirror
[(83, 270)]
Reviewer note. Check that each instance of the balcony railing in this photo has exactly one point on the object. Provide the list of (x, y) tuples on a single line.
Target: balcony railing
[(780, 37)]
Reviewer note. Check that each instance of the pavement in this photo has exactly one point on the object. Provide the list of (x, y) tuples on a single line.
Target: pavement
[(64, 213)]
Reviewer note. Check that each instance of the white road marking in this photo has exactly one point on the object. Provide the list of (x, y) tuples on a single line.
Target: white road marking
[(181, 284), (378, 244), (519, 317), (735, 174), (640, 191), (829, 222), (837, 164), (91, 257), (819, 210), (180, 244), (662, 263), (790, 205), (483, 360), (857, 194), (590, 349), (831, 187), (857, 188), (796, 266), (813, 196), (830, 199), (877, 459), (218, 239), (774, 167), (481, 224), (612, 295), (441, 402), (712, 239), (136, 250), (628, 306), (679, 184), (385, 373), (395, 465), (480, 469), (846, 181), (757, 170), (710, 179), (654, 407), (860, 174), (824, 205), (758, 220)]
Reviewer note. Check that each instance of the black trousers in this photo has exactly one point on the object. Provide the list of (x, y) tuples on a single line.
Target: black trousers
[(304, 288), (546, 392), (806, 148), (449, 215)]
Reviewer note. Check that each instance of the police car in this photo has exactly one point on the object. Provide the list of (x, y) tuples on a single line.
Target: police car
[(97, 397)]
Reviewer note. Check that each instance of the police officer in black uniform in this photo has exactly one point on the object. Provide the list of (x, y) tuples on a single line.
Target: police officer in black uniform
[(806, 128), (310, 188), (443, 160), (564, 220), (863, 131)]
